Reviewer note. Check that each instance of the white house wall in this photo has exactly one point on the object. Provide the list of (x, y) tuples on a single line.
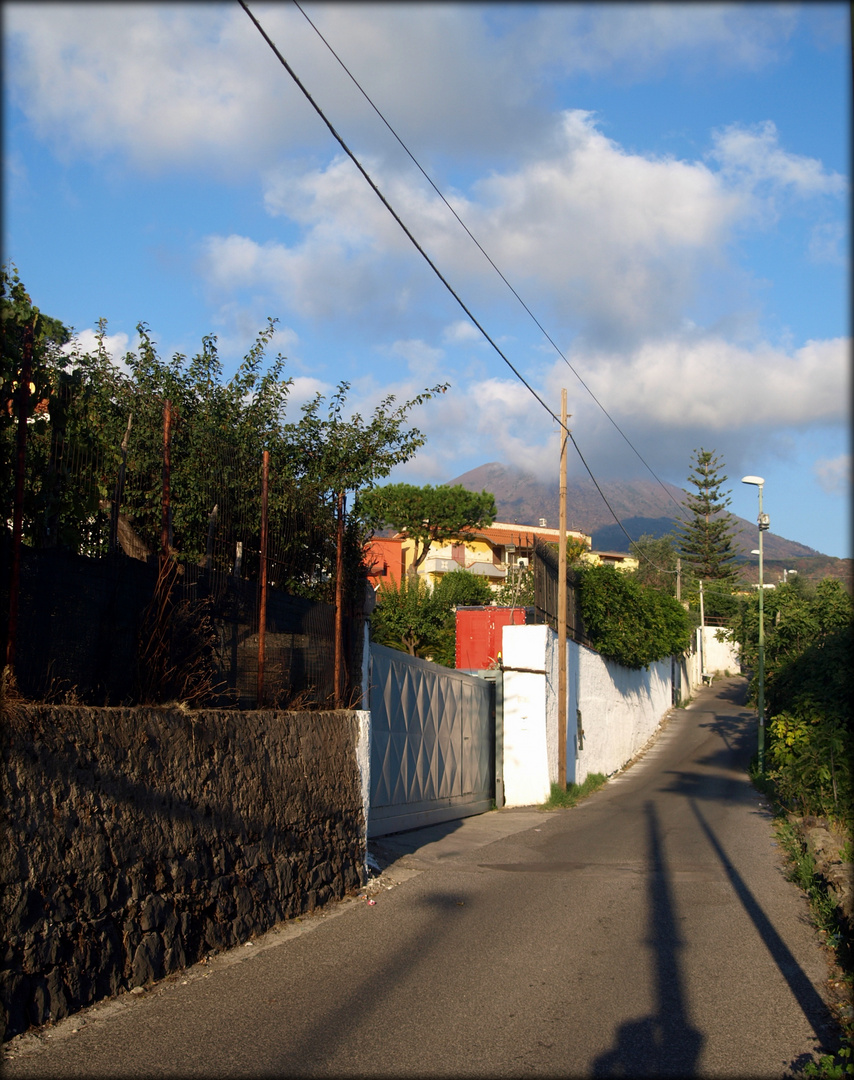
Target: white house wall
[(620, 710), (719, 655), (526, 699)]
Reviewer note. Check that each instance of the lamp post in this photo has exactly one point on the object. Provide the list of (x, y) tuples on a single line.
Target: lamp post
[(763, 523)]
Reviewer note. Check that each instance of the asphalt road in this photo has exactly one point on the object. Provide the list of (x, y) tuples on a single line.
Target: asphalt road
[(647, 932)]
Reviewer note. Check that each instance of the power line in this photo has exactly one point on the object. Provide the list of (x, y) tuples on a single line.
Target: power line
[(485, 254), (430, 262), (391, 209)]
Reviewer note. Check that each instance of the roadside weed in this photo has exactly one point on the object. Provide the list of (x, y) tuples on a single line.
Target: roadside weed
[(570, 794)]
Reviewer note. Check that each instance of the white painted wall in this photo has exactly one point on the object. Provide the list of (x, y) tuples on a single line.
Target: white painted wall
[(527, 676), (620, 710), (363, 759), (720, 655)]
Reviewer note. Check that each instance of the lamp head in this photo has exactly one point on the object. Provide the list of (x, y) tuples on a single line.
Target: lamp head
[(757, 480)]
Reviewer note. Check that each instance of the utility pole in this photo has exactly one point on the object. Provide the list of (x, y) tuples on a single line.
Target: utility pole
[(561, 606), (679, 579)]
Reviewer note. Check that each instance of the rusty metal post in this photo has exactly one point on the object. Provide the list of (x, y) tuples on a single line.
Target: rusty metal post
[(339, 605), (20, 470), (117, 495), (262, 615), (167, 472)]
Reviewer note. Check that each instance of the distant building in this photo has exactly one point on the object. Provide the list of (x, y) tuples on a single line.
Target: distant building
[(493, 552), (618, 559), (384, 560)]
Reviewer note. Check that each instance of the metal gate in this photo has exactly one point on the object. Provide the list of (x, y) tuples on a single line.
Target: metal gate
[(432, 743)]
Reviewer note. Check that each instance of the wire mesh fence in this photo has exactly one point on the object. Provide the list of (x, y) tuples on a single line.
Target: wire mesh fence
[(546, 594), (139, 575)]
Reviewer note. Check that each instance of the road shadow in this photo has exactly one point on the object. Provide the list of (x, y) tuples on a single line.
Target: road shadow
[(665, 1043), (808, 998)]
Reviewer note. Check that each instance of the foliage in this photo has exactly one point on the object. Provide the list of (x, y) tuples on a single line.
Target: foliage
[(518, 588), (219, 430), (405, 617), (808, 691), (460, 588), (421, 621), (428, 515), (338, 454), (40, 397), (656, 562), (833, 1066), (807, 756), (829, 920), (565, 796), (627, 622), (575, 550), (705, 536), (332, 455)]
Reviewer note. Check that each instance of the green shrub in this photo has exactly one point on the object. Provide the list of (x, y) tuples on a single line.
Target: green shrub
[(628, 622)]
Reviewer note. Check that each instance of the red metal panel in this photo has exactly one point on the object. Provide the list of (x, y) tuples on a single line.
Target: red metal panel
[(479, 634)]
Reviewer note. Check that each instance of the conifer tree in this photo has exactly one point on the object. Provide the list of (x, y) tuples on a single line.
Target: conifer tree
[(705, 536)]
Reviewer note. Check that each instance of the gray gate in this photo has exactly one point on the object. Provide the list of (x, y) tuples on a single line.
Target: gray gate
[(432, 743)]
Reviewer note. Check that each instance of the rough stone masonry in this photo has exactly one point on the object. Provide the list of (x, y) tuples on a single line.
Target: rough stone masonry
[(140, 840)]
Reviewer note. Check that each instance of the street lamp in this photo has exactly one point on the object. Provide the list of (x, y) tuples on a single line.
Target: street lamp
[(763, 523)]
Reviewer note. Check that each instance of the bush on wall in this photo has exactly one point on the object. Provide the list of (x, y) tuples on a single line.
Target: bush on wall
[(628, 622)]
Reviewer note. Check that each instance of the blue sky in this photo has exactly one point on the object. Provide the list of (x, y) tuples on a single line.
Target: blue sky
[(666, 186)]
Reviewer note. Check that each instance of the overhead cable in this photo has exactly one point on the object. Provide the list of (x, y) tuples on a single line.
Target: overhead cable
[(430, 262), (485, 254), (393, 212)]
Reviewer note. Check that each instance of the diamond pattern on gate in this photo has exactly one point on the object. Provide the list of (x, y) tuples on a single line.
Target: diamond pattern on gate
[(417, 749)]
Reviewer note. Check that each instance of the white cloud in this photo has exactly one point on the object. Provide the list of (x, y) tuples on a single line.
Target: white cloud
[(826, 241), (422, 360), (752, 156), (461, 332), (304, 389), (631, 40), (85, 342), (834, 474), (191, 84), (716, 385), (611, 242)]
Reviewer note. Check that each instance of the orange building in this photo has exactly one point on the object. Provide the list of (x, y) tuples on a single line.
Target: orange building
[(385, 560)]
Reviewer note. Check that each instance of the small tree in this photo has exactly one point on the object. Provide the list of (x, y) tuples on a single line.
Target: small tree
[(405, 617), (429, 515), (518, 588), (656, 562), (627, 622), (460, 588), (705, 536)]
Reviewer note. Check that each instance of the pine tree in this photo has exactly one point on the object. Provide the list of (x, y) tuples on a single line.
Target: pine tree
[(705, 538)]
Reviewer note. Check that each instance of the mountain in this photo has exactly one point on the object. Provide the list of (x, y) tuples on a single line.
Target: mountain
[(643, 506)]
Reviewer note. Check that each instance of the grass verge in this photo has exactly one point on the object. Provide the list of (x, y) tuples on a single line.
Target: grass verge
[(571, 794), (825, 916)]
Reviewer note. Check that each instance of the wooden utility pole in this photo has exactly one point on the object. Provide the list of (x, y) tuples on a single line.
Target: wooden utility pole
[(561, 607)]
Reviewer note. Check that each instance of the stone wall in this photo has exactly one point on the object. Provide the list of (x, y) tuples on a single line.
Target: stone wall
[(138, 841)]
